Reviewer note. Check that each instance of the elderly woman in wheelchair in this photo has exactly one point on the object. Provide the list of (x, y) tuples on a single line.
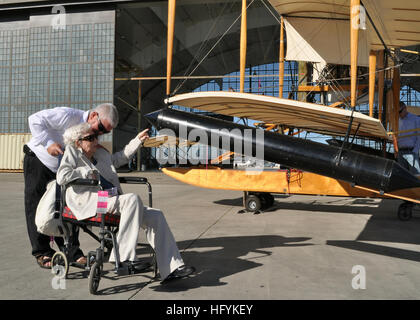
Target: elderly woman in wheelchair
[(84, 158)]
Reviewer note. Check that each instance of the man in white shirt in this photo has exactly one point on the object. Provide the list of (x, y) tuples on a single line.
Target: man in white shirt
[(42, 155), (409, 142)]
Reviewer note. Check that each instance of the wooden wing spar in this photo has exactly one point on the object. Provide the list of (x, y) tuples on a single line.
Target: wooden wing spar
[(309, 116)]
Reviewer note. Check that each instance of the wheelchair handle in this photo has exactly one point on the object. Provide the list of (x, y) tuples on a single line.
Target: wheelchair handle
[(133, 180)]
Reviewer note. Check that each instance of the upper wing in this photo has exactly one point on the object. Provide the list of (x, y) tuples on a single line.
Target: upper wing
[(396, 21), (319, 31), (297, 114)]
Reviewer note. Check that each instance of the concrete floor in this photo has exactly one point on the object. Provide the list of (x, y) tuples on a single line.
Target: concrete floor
[(305, 247)]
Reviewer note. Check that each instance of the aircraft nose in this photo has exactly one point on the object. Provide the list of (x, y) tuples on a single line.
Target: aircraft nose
[(152, 118)]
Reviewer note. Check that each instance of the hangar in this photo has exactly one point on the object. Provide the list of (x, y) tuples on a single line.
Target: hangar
[(82, 53)]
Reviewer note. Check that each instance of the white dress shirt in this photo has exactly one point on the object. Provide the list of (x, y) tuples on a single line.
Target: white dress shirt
[(47, 127)]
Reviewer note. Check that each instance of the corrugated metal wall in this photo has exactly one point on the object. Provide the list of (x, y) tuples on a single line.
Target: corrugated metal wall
[(11, 150)]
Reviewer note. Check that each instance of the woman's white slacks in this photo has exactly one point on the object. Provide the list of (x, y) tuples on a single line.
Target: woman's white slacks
[(133, 216)]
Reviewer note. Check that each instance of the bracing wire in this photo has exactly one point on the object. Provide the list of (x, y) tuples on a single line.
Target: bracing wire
[(204, 43), (334, 81), (323, 76), (270, 11), (211, 49)]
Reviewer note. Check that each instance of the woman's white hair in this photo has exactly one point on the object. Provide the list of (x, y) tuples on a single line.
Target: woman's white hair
[(72, 134)]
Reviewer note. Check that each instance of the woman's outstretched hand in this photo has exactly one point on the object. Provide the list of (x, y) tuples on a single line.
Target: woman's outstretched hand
[(143, 136)]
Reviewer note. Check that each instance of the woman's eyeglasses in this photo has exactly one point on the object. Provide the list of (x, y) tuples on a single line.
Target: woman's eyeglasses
[(101, 127), (90, 138)]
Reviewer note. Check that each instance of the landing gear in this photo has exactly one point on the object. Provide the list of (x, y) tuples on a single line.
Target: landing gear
[(253, 203), (257, 201)]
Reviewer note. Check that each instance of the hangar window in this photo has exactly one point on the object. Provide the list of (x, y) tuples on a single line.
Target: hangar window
[(44, 67)]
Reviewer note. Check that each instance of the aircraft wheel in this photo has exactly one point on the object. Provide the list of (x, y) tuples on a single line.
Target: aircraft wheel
[(405, 211), (253, 203)]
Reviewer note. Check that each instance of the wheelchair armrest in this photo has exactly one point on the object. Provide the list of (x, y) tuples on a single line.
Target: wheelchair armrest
[(84, 182), (60, 201), (133, 180), (139, 180)]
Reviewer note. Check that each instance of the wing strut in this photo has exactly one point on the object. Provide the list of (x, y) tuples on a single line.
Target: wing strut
[(243, 47), (170, 44), (346, 138), (281, 58), (372, 73), (354, 47)]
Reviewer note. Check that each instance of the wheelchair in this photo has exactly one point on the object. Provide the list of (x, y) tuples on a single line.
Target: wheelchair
[(108, 227)]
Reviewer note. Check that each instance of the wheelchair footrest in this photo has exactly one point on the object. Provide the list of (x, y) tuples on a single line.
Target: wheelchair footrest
[(134, 268), (122, 271)]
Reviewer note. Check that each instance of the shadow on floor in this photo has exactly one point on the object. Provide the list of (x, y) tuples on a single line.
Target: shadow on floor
[(217, 258), (376, 249), (382, 226)]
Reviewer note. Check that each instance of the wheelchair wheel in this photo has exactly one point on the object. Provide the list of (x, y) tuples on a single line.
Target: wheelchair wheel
[(95, 277), (405, 211), (59, 264)]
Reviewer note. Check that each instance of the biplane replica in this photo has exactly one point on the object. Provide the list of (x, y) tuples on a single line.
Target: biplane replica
[(325, 32)]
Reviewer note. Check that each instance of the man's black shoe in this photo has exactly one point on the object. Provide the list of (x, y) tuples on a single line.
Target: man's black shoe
[(180, 272)]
